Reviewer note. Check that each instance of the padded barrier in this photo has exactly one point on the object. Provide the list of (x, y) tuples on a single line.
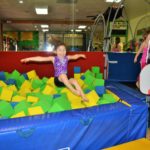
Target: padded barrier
[(92, 128), (11, 60), (121, 67)]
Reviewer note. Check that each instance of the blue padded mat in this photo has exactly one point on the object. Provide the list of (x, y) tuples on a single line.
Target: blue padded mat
[(92, 128)]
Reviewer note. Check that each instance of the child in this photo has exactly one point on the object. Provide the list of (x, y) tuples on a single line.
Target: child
[(143, 48), (117, 47), (60, 63)]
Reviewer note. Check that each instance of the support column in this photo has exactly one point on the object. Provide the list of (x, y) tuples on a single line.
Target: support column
[(1, 35)]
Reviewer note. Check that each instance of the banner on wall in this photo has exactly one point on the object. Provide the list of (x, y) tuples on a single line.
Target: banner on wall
[(26, 36)]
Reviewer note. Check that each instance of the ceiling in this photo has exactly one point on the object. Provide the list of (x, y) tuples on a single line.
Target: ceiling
[(62, 14)]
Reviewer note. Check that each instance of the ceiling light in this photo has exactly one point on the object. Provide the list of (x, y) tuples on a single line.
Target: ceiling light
[(78, 30), (44, 26), (113, 1), (21, 1), (41, 11), (45, 30), (82, 27)]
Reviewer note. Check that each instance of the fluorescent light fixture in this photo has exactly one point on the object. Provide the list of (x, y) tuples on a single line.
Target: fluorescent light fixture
[(21, 1), (45, 30), (113, 1), (82, 27), (78, 30), (44, 26), (41, 11)]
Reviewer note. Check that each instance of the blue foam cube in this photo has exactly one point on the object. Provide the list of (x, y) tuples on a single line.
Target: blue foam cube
[(10, 82), (2, 76), (77, 69), (100, 90)]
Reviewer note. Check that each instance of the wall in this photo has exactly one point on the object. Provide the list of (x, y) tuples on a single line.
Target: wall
[(135, 21), (11, 60)]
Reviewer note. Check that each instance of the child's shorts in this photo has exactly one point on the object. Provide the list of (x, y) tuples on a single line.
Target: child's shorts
[(58, 83)]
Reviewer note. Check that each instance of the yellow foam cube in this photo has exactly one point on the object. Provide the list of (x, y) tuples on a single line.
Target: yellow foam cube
[(6, 94), (18, 98), (36, 90), (92, 98), (24, 91), (26, 85), (81, 82), (3, 84), (50, 81), (35, 110), (32, 74), (12, 87), (77, 104), (77, 75), (49, 90), (32, 99), (20, 114)]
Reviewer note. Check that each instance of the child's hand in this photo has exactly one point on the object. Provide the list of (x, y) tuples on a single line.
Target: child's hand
[(135, 60), (25, 60), (83, 56)]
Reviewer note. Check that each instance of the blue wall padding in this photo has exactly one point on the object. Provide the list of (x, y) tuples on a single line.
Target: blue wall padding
[(122, 67), (77, 69), (102, 126), (2, 76)]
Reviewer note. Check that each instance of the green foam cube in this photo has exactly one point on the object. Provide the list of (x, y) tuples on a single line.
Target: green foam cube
[(98, 82), (96, 69), (36, 83), (22, 106), (99, 75), (6, 109), (60, 103)]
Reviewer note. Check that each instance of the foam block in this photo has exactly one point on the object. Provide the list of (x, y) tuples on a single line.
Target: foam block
[(2, 76), (60, 104), (10, 82), (77, 69), (37, 110), (99, 75), (49, 90), (12, 87), (100, 90), (18, 98), (3, 84), (36, 83), (26, 85), (77, 75), (50, 81), (96, 69), (98, 82), (6, 109), (6, 94), (22, 106), (93, 98), (44, 104), (32, 74), (32, 99), (20, 114)]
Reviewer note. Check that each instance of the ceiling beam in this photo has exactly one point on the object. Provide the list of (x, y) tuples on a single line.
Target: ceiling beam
[(68, 22)]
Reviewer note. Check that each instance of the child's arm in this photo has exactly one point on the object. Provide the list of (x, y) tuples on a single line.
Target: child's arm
[(138, 53), (76, 56), (38, 59)]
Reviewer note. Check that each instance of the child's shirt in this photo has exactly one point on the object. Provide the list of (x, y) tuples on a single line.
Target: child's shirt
[(60, 65)]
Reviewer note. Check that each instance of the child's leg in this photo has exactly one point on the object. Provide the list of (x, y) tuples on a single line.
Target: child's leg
[(63, 78), (77, 86)]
